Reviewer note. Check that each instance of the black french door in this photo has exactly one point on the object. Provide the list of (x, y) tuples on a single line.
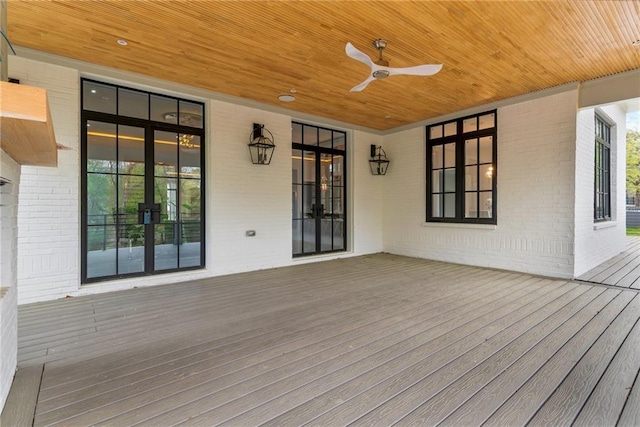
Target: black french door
[(319, 190), (142, 183)]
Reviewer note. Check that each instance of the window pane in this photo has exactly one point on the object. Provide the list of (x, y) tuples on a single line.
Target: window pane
[(310, 136), (449, 205), (296, 202), (309, 201), (338, 207), (450, 128), (338, 234), (165, 193), (99, 97), (309, 158), (437, 185), (470, 125), (101, 251), (471, 152), (296, 166), (436, 157), (132, 103), (450, 180), (165, 151), (101, 198), (189, 155), (190, 114), (130, 193), (486, 149), (337, 170), (296, 133), (486, 177), (436, 205), (131, 252), (166, 246), (339, 139), (297, 236), (131, 150), (164, 109), (471, 178), (435, 132), (449, 155), (471, 205), (190, 245), (325, 138), (190, 202), (486, 205), (101, 147), (487, 121), (326, 231), (309, 235)]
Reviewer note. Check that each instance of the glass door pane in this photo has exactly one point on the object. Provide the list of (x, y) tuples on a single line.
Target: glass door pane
[(165, 194), (190, 197), (115, 186), (337, 202), (177, 192), (298, 215), (310, 206)]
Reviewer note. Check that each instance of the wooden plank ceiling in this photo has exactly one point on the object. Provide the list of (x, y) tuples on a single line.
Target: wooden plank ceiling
[(261, 49)]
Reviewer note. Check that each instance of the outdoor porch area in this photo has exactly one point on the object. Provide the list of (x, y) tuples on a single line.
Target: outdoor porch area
[(370, 340)]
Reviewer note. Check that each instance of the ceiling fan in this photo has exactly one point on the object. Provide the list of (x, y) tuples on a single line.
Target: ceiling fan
[(380, 68)]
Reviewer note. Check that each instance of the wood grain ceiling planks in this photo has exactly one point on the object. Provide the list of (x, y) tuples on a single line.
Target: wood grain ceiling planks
[(261, 49)]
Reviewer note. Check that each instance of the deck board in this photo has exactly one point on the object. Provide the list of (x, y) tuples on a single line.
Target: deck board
[(622, 270), (21, 403), (377, 339)]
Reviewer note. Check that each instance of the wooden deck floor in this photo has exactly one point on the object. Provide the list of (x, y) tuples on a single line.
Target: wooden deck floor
[(622, 270), (374, 340)]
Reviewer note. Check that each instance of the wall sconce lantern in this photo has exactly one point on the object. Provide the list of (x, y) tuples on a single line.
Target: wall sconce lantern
[(379, 162), (261, 145)]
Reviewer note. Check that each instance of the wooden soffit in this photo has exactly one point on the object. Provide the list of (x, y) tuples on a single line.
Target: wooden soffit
[(257, 50)]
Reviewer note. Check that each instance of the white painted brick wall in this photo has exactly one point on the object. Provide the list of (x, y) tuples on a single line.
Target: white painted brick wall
[(48, 217), (595, 245), (10, 170), (240, 196), (367, 196), (536, 143)]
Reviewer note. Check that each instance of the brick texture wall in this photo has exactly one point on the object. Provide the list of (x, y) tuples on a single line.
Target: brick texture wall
[(596, 243), (10, 170), (535, 199), (48, 214)]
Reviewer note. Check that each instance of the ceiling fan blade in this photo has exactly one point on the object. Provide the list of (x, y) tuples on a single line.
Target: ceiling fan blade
[(354, 53), (362, 85), (418, 70)]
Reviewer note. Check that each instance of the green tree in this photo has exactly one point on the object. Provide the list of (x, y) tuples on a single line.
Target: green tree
[(633, 164)]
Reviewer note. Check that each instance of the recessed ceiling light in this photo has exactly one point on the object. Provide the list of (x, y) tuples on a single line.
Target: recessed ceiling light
[(293, 90), (122, 42), (636, 43), (93, 91), (287, 98)]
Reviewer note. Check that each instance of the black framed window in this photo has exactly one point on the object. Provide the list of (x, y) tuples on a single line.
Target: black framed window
[(602, 181), (143, 186), (461, 170)]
